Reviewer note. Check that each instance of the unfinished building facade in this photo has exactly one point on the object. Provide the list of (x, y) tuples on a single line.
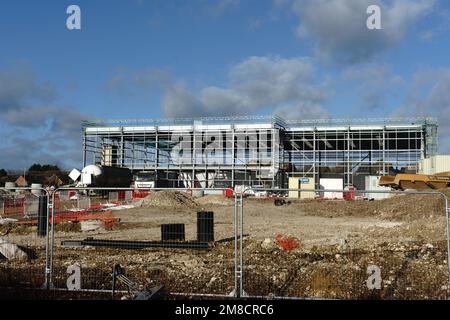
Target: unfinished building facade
[(259, 151)]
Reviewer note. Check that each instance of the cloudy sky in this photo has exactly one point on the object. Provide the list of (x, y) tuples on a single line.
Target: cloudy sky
[(147, 58)]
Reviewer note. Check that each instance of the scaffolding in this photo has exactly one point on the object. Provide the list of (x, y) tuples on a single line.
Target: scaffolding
[(259, 151)]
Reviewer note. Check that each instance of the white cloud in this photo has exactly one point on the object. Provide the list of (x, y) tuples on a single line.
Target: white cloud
[(127, 82), (254, 84), (30, 110), (427, 35), (373, 83), (429, 95), (218, 7), (338, 28)]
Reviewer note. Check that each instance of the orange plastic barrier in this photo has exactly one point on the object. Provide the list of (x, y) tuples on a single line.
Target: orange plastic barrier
[(287, 243), (107, 217)]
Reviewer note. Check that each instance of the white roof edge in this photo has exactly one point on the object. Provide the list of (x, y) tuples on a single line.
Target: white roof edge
[(103, 129), (366, 128), (253, 126), (415, 126), (175, 128), (138, 129), (212, 127)]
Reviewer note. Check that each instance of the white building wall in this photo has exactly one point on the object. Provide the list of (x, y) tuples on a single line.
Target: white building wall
[(434, 165)]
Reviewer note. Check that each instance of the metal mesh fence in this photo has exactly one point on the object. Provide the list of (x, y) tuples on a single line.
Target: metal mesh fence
[(159, 237), (332, 244), (31, 206), (348, 246), (23, 238)]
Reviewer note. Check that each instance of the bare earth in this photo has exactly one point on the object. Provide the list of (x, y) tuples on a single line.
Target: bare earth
[(404, 236)]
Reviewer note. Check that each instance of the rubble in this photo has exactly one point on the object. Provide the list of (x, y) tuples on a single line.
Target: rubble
[(4, 221), (331, 261), (214, 199), (91, 225), (165, 198), (11, 251), (396, 208), (268, 244)]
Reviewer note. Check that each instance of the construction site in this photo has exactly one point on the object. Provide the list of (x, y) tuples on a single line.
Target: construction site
[(236, 207), (260, 151)]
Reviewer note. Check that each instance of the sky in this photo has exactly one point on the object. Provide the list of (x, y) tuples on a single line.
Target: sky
[(303, 59)]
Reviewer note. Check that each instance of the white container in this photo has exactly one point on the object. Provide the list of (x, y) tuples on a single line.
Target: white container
[(372, 183), (435, 165), (36, 189), (332, 184), (198, 193), (10, 186)]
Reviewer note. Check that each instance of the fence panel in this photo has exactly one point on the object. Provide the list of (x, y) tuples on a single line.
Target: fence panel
[(160, 237), (23, 239), (348, 247)]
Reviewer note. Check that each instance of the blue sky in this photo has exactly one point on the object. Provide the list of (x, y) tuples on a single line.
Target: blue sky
[(143, 58)]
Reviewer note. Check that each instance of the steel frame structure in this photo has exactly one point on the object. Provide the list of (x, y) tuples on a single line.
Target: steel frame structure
[(259, 151)]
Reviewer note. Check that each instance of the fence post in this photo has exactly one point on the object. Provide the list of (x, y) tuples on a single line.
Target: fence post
[(447, 212), (51, 239), (48, 244), (241, 249), (235, 293)]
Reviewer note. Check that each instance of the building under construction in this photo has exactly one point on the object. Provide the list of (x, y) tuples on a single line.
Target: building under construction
[(259, 151)]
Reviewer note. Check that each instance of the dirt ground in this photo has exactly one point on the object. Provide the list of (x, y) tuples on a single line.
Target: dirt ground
[(404, 236)]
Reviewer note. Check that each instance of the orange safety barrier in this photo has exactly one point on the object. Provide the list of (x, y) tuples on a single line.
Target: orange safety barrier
[(140, 194), (287, 243), (107, 217)]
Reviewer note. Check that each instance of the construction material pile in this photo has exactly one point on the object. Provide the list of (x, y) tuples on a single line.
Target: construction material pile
[(397, 208), (215, 200), (174, 199)]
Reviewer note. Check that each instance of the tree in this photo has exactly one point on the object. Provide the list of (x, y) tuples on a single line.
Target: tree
[(49, 167), (3, 173), (35, 167), (45, 167)]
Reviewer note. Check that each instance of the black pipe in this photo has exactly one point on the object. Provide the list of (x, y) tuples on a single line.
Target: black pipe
[(126, 244), (42, 217)]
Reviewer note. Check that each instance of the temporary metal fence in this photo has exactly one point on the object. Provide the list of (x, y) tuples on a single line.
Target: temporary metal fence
[(345, 249), (24, 246), (265, 247), (31, 206), (163, 239), (116, 196)]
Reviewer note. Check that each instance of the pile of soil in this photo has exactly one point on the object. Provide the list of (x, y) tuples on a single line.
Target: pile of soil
[(215, 200), (416, 270), (173, 199), (405, 207), (68, 226), (14, 228)]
